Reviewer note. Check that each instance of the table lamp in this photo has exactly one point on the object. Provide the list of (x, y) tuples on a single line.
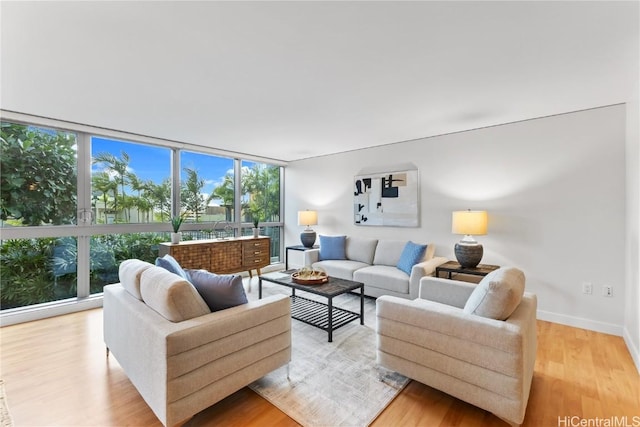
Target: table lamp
[(468, 251), (308, 218)]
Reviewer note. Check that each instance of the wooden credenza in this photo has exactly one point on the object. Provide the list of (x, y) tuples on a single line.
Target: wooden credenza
[(221, 256)]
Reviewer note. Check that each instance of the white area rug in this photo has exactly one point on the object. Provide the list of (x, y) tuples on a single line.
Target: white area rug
[(331, 384)]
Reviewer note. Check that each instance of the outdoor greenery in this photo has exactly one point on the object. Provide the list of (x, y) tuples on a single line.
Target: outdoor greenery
[(39, 187), (37, 176), (42, 270)]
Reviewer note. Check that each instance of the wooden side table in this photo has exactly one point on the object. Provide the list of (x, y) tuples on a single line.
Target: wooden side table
[(451, 267)]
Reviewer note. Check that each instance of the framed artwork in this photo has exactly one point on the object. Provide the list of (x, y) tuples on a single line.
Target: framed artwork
[(386, 198)]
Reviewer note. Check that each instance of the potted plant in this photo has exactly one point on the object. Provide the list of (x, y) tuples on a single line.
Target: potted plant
[(256, 229), (176, 222)]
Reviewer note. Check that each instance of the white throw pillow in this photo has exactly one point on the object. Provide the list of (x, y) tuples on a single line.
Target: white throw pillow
[(498, 294)]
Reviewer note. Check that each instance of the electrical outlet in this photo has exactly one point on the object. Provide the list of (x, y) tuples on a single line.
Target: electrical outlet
[(607, 291), (587, 288)]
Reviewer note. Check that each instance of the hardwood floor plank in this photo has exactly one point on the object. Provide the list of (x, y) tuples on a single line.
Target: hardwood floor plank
[(56, 373)]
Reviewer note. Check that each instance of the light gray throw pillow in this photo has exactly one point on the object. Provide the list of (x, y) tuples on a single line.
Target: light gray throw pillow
[(498, 294)]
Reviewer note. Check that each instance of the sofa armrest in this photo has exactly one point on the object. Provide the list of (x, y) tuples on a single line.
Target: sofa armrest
[(420, 270), (445, 291), (311, 256)]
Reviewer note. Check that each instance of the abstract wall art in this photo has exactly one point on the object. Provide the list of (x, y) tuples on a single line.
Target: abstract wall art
[(386, 199)]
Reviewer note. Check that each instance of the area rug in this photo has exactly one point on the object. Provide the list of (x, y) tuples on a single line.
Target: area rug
[(331, 384), (5, 417)]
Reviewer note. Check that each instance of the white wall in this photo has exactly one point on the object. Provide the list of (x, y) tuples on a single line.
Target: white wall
[(554, 189)]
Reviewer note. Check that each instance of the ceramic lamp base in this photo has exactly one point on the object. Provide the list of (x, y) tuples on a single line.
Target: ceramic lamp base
[(308, 238), (468, 256)]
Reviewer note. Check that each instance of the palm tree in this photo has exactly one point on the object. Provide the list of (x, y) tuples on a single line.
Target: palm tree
[(102, 182), (160, 196), (119, 167), (225, 192)]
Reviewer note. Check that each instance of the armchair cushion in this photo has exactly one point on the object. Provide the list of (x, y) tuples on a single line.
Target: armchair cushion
[(497, 295), (129, 273), (219, 291), (169, 295)]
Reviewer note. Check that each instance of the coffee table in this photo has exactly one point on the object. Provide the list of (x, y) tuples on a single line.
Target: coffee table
[(316, 313)]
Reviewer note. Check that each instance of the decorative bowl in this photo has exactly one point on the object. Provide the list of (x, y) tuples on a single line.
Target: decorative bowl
[(308, 276)]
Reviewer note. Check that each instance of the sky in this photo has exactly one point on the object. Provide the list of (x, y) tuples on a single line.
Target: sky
[(154, 163)]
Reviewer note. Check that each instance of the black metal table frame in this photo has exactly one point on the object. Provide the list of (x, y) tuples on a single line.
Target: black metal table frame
[(300, 248), (316, 313)]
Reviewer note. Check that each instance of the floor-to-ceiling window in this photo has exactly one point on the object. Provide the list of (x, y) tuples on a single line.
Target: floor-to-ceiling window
[(260, 201), (75, 204), (38, 182)]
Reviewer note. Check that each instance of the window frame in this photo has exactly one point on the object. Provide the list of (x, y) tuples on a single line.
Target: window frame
[(85, 227)]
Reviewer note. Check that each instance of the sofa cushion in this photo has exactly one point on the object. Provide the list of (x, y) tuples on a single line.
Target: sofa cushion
[(219, 291), (342, 269), (170, 295), (388, 252), (498, 294), (129, 273), (360, 249), (169, 263), (410, 256), (383, 277), (332, 247)]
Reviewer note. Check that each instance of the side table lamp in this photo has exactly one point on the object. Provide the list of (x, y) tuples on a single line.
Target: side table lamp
[(468, 251), (308, 218)]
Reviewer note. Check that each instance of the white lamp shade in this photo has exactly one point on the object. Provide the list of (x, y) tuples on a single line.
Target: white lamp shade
[(307, 218), (469, 222)]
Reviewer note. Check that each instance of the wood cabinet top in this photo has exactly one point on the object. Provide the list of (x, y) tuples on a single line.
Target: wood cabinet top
[(210, 241)]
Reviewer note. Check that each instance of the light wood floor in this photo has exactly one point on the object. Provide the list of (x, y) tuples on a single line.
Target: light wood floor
[(56, 373)]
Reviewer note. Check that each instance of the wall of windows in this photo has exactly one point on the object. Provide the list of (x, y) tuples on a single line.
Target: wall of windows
[(74, 204)]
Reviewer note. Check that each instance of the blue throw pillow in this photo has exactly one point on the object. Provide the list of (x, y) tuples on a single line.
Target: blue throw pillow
[(411, 255), (169, 263), (332, 247), (219, 291)]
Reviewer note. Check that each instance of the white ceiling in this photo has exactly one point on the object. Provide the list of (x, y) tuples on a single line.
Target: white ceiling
[(292, 80)]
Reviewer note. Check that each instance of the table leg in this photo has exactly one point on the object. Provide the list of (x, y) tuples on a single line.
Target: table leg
[(362, 305), (330, 307), (286, 259), (259, 287)]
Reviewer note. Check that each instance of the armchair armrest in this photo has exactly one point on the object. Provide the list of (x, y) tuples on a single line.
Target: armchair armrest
[(420, 270), (445, 320), (311, 256), (445, 291), (211, 327)]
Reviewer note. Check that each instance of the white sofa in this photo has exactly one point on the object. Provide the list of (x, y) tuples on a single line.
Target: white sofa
[(181, 357), (477, 343), (374, 263)]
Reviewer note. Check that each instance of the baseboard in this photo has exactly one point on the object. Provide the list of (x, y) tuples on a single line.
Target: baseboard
[(579, 322), (43, 311), (633, 350)]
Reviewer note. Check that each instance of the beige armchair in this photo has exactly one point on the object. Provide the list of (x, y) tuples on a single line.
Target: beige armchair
[(181, 357), (443, 339)]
